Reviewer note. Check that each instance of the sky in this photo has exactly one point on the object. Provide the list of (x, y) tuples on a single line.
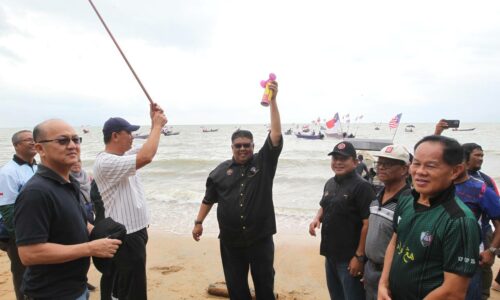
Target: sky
[(203, 60)]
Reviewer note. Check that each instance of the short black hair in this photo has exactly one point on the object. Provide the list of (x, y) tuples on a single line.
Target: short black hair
[(241, 134), (468, 148), (107, 137), (453, 152), (15, 137)]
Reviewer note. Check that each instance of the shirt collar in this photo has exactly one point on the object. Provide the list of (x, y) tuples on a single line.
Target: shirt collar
[(445, 195), (249, 161), (51, 174), (21, 162), (395, 197), (341, 178)]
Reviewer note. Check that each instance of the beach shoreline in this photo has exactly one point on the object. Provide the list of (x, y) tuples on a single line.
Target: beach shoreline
[(180, 268)]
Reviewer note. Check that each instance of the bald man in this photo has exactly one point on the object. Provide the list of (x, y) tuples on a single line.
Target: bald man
[(52, 234)]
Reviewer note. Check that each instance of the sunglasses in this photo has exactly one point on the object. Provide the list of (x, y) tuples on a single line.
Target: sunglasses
[(242, 145), (388, 164), (64, 141)]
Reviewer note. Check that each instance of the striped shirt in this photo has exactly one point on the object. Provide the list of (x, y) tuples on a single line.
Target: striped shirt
[(121, 190)]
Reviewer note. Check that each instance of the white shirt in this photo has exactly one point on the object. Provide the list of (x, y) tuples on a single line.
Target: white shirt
[(13, 176), (121, 190)]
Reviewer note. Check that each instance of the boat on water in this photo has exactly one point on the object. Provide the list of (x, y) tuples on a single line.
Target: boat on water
[(313, 136), (85, 130), (168, 131), (463, 129), (289, 131), (210, 130), (369, 144), (409, 128), (140, 135)]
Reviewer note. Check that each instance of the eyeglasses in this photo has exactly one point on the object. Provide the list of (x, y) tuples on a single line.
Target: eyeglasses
[(387, 164), (29, 141), (242, 145), (64, 141)]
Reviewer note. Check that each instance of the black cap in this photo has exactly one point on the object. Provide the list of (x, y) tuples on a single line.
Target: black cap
[(344, 149), (106, 228), (117, 125)]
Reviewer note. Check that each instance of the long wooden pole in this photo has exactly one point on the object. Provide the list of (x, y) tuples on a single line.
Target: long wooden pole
[(121, 52)]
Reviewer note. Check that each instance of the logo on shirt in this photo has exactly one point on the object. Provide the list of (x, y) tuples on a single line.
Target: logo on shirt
[(426, 238), (229, 172), (252, 171)]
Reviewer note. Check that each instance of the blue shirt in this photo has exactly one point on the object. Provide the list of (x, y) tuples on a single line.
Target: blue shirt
[(13, 176), (479, 198)]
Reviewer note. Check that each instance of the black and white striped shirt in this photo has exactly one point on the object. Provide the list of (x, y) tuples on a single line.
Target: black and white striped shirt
[(121, 190)]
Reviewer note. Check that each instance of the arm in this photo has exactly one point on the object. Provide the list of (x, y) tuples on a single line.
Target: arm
[(454, 287), (275, 116), (50, 253), (440, 127), (355, 265), (202, 214), (383, 286), (148, 150), (316, 222), (486, 257)]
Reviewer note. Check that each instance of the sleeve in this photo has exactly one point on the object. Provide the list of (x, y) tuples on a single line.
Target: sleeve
[(324, 197), (210, 192), (490, 203), (111, 169), (461, 246), (32, 215), (396, 217), (9, 187), (364, 196), (270, 153)]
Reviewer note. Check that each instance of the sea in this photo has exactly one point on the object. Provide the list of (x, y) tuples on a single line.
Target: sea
[(175, 181)]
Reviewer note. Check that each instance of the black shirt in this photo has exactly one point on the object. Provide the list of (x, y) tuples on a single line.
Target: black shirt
[(245, 209), (48, 211), (346, 203)]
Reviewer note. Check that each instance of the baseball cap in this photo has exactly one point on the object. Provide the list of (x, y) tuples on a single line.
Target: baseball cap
[(397, 152), (117, 125), (344, 149)]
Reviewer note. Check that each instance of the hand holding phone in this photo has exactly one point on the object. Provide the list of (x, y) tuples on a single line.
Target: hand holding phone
[(453, 123)]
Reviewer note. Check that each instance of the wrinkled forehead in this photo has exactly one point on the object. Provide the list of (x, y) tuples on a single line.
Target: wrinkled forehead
[(58, 128), (242, 140)]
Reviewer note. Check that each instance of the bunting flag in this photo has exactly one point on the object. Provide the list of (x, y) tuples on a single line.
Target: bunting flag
[(330, 124), (394, 122)]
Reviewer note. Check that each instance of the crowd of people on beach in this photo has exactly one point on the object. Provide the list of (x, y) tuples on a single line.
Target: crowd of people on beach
[(425, 234)]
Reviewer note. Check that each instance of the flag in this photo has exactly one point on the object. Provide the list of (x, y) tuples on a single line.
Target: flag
[(394, 122), (330, 124)]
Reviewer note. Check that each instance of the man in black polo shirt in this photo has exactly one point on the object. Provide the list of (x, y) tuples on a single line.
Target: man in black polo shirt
[(51, 231), (434, 250), (344, 213), (242, 188)]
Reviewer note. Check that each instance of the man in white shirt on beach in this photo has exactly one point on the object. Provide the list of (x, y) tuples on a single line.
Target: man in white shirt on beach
[(124, 199)]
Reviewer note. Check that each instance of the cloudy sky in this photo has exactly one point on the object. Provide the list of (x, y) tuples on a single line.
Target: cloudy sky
[(202, 60)]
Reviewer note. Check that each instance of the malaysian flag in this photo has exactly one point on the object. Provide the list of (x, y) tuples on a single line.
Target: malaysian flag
[(394, 122)]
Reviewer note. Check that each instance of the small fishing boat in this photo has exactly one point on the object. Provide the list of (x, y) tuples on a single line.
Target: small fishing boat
[(140, 136), (289, 131), (463, 129), (318, 136), (210, 130), (168, 131), (409, 128)]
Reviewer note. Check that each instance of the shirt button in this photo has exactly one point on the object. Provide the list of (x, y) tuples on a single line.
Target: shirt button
[(242, 184), (244, 227), (241, 194), (242, 175), (242, 217), (241, 205)]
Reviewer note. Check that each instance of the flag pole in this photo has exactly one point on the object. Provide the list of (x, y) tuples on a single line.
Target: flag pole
[(121, 52), (395, 131)]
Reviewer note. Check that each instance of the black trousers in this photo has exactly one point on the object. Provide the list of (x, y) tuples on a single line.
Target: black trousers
[(16, 267), (127, 277), (259, 258)]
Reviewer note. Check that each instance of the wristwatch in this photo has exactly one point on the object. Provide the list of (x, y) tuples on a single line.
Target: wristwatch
[(196, 222), (360, 258), (494, 250)]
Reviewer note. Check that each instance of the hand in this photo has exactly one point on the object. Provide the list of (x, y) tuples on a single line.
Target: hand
[(312, 227), (273, 86), (105, 248), (355, 267), (197, 232), (383, 292), (440, 127), (486, 258), (159, 119), (154, 107)]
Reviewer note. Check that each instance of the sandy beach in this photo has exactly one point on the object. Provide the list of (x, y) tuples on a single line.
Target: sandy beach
[(179, 268)]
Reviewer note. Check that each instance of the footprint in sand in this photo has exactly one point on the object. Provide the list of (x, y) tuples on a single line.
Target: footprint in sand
[(167, 269)]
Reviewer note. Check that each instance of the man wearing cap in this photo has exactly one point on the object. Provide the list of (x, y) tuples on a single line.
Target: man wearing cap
[(392, 170), (344, 213), (435, 246), (13, 176), (115, 173)]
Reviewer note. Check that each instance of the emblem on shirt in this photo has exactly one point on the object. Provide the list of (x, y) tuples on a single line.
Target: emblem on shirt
[(229, 172), (252, 171), (426, 238)]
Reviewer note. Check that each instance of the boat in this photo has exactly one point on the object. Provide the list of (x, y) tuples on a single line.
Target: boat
[(140, 136), (168, 131), (305, 128), (463, 129), (318, 136), (289, 131), (210, 130), (409, 128), (85, 130), (369, 144)]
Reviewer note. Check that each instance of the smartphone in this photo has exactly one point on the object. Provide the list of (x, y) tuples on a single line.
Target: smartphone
[(453, 123)]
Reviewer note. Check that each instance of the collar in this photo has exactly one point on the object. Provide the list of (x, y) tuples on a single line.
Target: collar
[(21, 161), (395, 197), (445, 195), (248, 162), (342, 178), (48, 173)]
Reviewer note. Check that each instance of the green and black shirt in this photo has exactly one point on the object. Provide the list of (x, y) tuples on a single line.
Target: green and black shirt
[(430, 241)]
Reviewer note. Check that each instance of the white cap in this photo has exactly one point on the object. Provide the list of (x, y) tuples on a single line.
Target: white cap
[(397, 152)]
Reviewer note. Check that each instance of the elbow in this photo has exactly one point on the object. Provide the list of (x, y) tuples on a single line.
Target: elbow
[(27, 258), (143, 160)]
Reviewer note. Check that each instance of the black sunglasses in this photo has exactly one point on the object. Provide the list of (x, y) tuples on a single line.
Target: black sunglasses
[(242, 145), (64, 141)]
